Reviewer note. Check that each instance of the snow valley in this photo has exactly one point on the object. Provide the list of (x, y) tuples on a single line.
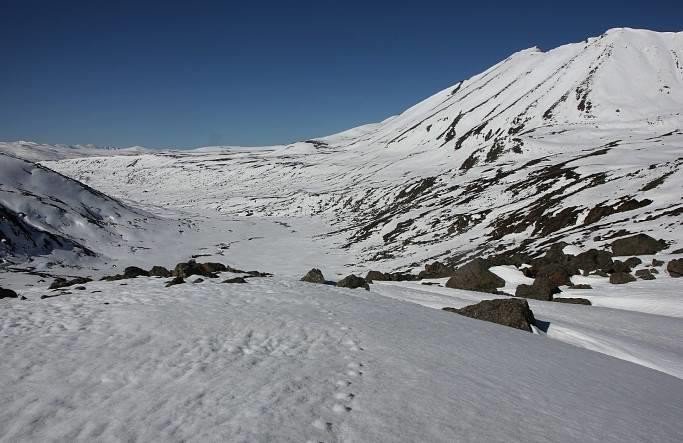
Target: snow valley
[(500, 262)]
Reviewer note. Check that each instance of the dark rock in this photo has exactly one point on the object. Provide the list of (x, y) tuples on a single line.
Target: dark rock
[(258, 274), (475, 276), (177, 280), (644, 274), (159, 271), (80, 288), (639, 244), (113, 277), (314, 276), (656, 262), (198, 280), (675, 267), (60, 282), (377, 276), (574, 301), (555, 273), (430, 283), (134, 271), (235, 280), (353, 282), (633, 262), (654, 271), (677, 251), (582, 286), (514, 313), (212, 268), (541, 289), (592, 260), (619, 266), (8, 293), (619, 278), (436, 270)]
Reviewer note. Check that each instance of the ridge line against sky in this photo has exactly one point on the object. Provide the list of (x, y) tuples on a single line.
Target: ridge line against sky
[(174, 74)]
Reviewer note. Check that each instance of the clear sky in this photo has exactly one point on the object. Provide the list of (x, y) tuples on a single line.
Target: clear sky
[(193, 73)]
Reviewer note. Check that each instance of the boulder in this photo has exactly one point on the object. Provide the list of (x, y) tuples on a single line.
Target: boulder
[(377, 276), (315, 275), (656, 262), (159, 271), (212, 268), (353, 282), (620, 278), (191, 267), (475, 276), (556, 274), (60, 282), (198, 280), (639, 244), (134, 271), (574, 301), (258, 274), (633, 262), (8, 293), (512, 312), (177, 280), (582, 286), (619, 266), (541, 289), (235, 280), (592, 260), (644, 274), (436, 270), (600, 273), (675, 268)]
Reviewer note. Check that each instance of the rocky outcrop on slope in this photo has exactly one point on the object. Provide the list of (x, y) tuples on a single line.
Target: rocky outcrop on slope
[(475, 276), (514, 313)]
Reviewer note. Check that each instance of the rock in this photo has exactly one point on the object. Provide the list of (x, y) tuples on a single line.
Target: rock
[(475, 276), (80, 288), (314, 276), (656, 262), (592, 260), (60, 282), (644, 274), (514, 313), (675, 268), (212, 268), (159, 271), (582, 286), (619, 266), (556, 274), (134, 271), (199, 280), (639, 244), (654, 271), (258, 274), (633, 262), (353, 282), (541, 289), (191, 267), (436, 270), (620, 278), (235, 280), (8, 293), (377, 276), (177, 280), (574, 301)]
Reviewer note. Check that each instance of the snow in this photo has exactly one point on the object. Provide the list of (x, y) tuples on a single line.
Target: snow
[(278, 359)]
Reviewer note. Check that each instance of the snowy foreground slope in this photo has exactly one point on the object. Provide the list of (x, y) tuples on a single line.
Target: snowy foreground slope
[(282, 360)]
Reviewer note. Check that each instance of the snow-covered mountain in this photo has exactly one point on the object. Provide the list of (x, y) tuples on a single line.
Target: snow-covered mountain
[(43, 212), (33, 151), (581, 143)]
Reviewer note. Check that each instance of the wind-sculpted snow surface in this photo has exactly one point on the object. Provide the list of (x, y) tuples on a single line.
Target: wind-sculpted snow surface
[(283, 360), (581, 143)]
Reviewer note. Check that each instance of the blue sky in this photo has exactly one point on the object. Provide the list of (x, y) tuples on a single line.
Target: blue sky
[(186, 74)]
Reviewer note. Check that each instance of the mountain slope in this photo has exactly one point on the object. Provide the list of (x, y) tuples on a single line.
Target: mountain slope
[(581, 143)]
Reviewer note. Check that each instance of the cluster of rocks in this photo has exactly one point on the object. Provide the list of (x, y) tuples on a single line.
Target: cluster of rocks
[(187, 269), (351, 281), (61, 282)]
